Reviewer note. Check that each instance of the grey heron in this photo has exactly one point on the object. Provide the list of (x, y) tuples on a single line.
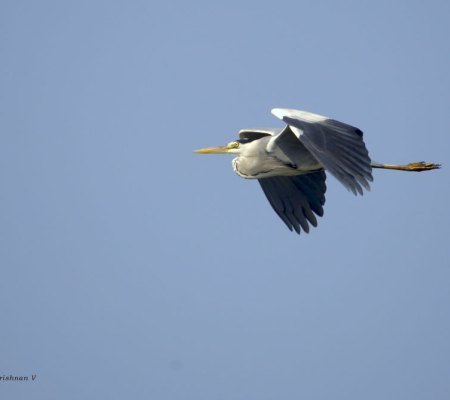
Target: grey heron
[(290, 163)]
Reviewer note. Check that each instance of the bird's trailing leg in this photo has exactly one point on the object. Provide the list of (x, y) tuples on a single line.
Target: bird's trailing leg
[(412, 167)]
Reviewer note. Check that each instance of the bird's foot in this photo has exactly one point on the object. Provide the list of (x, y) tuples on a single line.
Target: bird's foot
[(421, 166)]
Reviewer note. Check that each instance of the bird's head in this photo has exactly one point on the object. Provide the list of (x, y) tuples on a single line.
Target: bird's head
[(231, 148)]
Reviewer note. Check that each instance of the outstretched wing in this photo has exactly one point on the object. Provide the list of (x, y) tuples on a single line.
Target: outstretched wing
[(337, 146), (295, 199)]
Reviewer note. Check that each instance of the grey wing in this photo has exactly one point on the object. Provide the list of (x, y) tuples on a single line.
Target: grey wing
[(337, 146), (286, 147), (296, 199)]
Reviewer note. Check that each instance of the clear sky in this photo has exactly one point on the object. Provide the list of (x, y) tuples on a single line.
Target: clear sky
[(133, 268)]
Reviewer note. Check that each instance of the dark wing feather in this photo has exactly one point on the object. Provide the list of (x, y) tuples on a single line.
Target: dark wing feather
[(296, 199)]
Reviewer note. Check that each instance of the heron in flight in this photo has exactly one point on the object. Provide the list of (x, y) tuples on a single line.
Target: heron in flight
[(290, 163)]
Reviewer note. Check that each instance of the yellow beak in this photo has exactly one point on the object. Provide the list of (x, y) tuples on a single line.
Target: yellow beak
[(213, 150)]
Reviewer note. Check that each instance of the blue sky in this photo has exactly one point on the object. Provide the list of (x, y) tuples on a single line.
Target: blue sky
[(132, 268)]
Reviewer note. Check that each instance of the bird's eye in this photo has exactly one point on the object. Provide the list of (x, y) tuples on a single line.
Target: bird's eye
[(233, 145)]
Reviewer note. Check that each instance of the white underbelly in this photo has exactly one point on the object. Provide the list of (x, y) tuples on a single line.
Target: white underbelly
[(270, 169)]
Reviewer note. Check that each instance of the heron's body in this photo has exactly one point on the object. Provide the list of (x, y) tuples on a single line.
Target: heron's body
[(289, 163), (256, 162)]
